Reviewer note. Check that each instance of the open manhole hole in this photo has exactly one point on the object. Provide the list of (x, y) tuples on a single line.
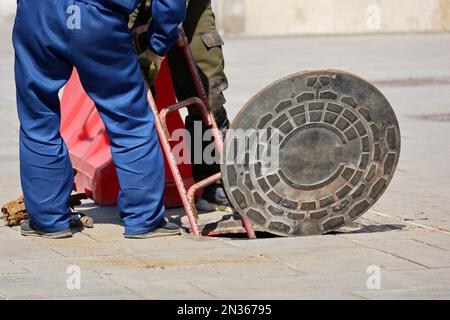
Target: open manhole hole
[(442, 117)]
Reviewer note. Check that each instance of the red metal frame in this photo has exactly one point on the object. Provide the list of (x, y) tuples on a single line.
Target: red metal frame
[(201, 102)]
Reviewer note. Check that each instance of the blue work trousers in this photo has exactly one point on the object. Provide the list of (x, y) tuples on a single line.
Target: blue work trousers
[(51, 37)]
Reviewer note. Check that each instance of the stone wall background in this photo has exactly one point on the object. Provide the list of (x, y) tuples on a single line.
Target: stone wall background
[(291, 17)]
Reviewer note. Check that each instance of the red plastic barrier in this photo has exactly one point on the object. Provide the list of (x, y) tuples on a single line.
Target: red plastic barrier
[(86, 138)]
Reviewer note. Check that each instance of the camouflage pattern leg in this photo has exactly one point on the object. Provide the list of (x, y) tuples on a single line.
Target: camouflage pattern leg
[(206, 46)]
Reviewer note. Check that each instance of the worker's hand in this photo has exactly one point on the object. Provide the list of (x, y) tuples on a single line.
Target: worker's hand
[(150, 64)]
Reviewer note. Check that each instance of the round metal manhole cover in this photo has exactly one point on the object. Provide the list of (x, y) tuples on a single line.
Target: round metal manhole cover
[(311, 153)]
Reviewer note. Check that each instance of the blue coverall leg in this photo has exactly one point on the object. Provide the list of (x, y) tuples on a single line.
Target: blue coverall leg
[(101, 50)]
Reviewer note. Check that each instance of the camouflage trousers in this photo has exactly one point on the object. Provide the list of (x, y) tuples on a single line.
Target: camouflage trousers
[(206, 46)]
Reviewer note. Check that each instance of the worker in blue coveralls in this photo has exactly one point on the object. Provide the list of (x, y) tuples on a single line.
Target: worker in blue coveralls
[(49, 41)]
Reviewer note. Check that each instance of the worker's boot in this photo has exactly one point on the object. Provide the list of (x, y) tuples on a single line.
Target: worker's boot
[(166, 229), (27, 230), (214, 198)]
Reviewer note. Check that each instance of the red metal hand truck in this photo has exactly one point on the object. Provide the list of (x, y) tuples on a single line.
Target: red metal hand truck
[(202, 103)]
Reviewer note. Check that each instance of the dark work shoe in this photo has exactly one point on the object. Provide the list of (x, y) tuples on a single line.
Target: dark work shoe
[(213, 199), (28, 231), (167, 229)]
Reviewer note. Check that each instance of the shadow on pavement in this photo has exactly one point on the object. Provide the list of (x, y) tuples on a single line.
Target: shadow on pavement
[(229, 224)]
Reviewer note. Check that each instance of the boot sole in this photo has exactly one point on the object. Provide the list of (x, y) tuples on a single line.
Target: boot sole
[(56, 235), (152, 235)]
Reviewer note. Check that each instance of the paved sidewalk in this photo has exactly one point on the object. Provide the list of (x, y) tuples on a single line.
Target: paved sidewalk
[(414, 263), (406, 235)]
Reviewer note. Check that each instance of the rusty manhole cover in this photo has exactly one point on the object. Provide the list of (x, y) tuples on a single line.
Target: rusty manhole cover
[(338, 151)]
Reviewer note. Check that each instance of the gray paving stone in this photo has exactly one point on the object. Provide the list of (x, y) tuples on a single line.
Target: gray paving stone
[(52, 266), (334, 259), (9, 267), (105, 232), (122, 266), (14, 246), (433, 239), (179, 245), (422, 279), (408, 294), (289, 244), (413, 251), (82, 246), (41, 286), (165, 289), (295, 287), (217, 265)]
